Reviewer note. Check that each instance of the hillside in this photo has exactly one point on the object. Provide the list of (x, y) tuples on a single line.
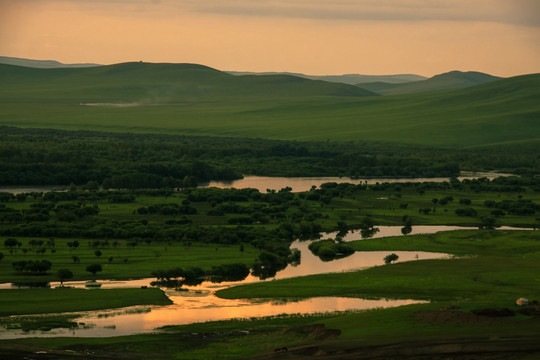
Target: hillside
[(351, 79), (157, 83), (449, 80), (197, 100)]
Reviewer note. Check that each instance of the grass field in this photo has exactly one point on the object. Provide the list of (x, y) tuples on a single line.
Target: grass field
[(128, 263), (202, 101), (502, 264), (40, 301)]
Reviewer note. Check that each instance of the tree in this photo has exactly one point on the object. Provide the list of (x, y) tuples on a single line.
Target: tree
[(406, 230), (76, 259), (94, 268), (64, 274), (97, 253), (73, 244), (388, 259), (10, 243), (487, 223), (435, 201), (1, 256)]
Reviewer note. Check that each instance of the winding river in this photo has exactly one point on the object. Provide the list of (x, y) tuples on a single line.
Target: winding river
[(199, 304)]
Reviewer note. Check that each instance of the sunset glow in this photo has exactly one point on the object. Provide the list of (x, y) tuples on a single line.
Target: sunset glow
[(315, 37)]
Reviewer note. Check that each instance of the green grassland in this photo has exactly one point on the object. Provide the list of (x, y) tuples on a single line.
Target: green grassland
[(502, 264), (37, 301), (125, 262), (195, 100)]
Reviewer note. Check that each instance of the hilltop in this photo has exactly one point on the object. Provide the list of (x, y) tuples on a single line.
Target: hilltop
[(449, 80)]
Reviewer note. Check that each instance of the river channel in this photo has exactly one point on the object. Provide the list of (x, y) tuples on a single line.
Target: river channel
[(263, 183), (199, 304)]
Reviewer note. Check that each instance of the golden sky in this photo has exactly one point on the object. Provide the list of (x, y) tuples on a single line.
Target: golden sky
[(425, 37)]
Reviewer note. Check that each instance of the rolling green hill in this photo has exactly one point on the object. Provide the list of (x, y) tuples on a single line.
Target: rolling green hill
[(449, 80), (158, 83), (196, 100)]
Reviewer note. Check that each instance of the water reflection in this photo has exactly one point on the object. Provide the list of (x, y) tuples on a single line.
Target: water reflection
[(199, 304), (194, 307), (262, 183)]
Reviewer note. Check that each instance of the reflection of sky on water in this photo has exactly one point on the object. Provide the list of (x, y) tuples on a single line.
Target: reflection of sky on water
[(200, 309), (199, 304), (262, 183), (276, 183)]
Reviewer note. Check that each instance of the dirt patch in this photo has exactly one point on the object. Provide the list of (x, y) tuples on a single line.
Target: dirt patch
[(315, 331), (455, 318), (457, 349), (494, 312)]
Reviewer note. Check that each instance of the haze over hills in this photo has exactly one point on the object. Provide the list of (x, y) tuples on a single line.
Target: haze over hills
[(449, 80), (44, 64), (351, 79)]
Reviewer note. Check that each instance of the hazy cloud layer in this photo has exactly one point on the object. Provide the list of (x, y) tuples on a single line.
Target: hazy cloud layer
[(517, 12), (521, 12)]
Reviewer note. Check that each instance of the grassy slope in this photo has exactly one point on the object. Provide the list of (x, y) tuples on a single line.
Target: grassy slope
[(196, 100)]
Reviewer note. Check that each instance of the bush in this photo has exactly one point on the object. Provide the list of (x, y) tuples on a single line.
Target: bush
[(466, 212)]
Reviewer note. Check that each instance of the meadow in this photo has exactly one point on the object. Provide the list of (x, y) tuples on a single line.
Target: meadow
[(195, 100)]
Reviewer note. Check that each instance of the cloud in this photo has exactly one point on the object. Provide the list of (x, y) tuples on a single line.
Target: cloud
[(517, 12)]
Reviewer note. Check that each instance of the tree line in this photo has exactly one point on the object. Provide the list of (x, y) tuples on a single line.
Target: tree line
[(136, 161)]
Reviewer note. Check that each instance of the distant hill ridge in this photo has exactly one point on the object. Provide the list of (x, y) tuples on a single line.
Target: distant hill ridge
[(167, 82), (373, 84), (450, 80), (44, 64), (351, 79)]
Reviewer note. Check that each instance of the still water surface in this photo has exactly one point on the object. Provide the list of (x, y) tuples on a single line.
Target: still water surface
[(262, 183)]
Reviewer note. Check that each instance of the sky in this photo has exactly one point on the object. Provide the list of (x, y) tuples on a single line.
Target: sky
[(316, 37)]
